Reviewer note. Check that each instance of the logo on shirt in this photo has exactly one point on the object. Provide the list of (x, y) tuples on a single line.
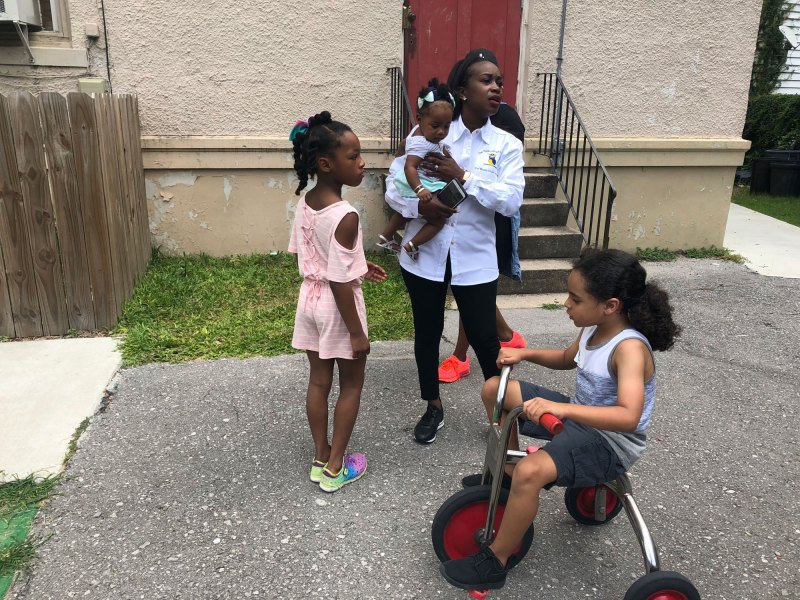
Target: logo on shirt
[(492, 161)]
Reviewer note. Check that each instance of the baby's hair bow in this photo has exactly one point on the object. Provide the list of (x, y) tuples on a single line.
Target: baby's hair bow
[(300, 127), (427, 98)]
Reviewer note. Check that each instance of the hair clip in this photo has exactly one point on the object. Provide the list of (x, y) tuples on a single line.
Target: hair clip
[(300, 127), (426, 98)]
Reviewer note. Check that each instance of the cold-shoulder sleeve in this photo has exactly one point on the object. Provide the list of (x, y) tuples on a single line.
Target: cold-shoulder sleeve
[(345, 264)]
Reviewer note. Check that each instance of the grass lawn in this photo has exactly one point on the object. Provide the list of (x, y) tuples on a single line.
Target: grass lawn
[(785, 208), (19, 502), (199, 307)]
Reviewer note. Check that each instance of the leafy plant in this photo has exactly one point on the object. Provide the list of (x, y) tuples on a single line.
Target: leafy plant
[(552, 306), (656, 254), (773, 121), (771, 48), (663, 255)]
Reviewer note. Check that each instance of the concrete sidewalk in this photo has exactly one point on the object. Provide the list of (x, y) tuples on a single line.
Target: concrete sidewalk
[(47, 388), (771, 247)]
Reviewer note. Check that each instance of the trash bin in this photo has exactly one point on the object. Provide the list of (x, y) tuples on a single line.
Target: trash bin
[(759, 179), (793, 155), (784, 178)]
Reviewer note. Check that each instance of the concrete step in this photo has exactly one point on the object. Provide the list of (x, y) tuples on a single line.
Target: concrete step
[(549, 242), (542, 276), (536, 212), (540, 185)]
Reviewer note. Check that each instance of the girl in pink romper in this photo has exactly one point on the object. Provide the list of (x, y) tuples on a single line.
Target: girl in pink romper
[(331, 320)]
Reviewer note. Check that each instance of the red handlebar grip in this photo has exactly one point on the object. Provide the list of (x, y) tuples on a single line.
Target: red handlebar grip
[(552, 423)]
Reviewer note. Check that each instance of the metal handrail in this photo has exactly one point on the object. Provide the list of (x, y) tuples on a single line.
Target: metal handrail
[(566, 146), (401, 116)]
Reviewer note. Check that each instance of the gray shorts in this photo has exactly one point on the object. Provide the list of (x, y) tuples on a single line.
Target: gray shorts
[(582, 456)]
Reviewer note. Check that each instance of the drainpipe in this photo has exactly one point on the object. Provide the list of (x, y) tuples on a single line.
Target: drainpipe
[(105, 38), (560, 57), (559, 95)]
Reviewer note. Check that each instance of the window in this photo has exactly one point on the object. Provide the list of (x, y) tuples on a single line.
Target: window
[(55, 18), (47, 15), (48, 46)]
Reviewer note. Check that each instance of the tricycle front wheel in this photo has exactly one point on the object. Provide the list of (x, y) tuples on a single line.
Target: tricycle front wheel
[(458, 525)]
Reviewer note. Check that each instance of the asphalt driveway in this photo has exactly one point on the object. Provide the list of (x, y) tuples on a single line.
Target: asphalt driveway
[(193, 481)]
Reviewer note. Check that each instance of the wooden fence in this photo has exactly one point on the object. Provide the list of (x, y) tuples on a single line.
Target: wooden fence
[(74, 233)]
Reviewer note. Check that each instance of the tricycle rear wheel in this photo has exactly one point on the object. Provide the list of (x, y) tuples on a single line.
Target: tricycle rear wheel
[(662, 585), (580, 504)]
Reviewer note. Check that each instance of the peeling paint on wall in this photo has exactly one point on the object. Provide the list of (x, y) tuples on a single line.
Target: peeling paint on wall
[(177, 178), (657, 228), (635, 231), (150, 188)]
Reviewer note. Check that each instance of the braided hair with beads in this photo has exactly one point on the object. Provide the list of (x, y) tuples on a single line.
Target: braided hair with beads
[(320, 136)]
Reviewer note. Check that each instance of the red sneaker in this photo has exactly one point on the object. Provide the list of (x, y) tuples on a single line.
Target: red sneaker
[(453, 369), (516, 341)]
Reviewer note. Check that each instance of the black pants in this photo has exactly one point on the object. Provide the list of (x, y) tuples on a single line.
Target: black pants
[(476, 307)]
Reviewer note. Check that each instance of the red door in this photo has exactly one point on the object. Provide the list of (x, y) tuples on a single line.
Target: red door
[(445, 30)]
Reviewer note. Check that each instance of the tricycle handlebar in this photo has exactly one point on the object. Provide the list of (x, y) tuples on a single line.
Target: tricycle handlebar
[(550, 422)]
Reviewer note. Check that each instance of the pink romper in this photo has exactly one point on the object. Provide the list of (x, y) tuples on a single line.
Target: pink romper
[(318, 325)]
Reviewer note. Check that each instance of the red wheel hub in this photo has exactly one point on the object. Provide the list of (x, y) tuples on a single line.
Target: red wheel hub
[(460, 533), (586, 508)]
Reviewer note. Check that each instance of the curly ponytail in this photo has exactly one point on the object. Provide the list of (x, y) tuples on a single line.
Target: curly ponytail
[(652, 316), (320, 136), (617, 274)]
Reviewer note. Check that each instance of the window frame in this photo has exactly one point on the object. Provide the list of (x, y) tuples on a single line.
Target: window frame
[(58, 37)]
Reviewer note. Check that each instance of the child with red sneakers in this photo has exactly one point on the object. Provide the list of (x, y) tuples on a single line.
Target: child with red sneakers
[(331, 322), (456, 366)]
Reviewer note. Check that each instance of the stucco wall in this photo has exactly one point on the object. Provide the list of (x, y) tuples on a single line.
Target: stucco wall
[(643, 68), (252, 68), (641, 72), (672, 193), (635, 68), (239, 211)]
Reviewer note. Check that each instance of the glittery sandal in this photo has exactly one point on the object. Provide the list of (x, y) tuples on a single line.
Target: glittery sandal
[(387, 244)]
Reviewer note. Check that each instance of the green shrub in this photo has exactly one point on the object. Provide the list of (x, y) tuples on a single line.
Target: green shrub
[(771, 48), (773, 121)]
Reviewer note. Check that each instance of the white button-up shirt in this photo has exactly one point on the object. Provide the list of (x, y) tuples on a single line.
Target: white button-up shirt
[(494, 158)]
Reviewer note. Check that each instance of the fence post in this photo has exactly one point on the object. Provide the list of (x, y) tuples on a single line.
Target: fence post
[(38, 212)]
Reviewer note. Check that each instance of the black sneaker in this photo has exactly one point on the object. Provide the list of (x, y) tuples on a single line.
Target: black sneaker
[(473, 480), (431, 422), (481, 571)]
